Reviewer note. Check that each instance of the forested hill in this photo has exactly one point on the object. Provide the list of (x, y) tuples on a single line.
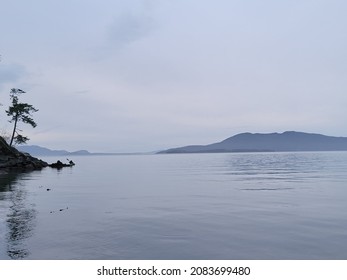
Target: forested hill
[(271, 142)]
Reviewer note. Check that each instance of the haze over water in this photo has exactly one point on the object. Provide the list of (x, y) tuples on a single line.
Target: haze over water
[(186, 206)]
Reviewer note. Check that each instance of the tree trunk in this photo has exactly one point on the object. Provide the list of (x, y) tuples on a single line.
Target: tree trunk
[(14, 130)]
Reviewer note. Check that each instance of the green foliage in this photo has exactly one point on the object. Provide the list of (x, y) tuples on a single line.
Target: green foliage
[(19, 112)]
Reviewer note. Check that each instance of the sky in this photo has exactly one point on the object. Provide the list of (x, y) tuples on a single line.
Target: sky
[(146, 75)]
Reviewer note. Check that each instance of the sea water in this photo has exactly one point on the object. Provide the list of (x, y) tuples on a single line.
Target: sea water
[(179, 206)]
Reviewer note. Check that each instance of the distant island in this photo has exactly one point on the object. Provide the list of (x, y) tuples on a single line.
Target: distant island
[(36, 150), (289, 141), (42, 151)]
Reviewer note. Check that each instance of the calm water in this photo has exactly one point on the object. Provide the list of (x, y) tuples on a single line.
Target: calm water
[(194, 206)]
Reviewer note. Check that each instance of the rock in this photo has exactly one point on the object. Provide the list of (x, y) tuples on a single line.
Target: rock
[(59, 164), (12, 159)]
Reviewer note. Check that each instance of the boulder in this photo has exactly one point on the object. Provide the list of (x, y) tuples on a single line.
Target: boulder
[(60, 165), (12, 159)]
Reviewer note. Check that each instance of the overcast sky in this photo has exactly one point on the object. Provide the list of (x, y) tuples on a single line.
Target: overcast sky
[(145, 75)]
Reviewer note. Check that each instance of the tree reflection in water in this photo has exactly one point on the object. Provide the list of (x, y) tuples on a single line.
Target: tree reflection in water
[(21, 215)]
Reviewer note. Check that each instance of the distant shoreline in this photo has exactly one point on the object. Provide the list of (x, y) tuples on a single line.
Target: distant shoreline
[(289, 141)]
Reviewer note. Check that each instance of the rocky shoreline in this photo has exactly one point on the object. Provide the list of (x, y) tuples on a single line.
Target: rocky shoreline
[(13, 160)]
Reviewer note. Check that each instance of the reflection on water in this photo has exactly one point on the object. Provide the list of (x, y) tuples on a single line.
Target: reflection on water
[(20, 217)]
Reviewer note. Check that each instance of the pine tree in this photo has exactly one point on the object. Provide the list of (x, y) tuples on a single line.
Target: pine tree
[(19, 112)]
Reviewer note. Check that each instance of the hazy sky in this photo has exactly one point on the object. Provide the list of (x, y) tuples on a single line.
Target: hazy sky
[(144, 75)]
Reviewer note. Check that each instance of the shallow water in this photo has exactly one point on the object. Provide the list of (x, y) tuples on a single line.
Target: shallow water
[(186, 206)]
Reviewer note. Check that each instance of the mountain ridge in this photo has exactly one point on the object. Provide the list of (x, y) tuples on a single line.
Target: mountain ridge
[(288, 141), (42, 151)]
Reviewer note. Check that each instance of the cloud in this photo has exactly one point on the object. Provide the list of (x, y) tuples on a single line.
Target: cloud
[(129, 27), (175, 72), (10, 73)]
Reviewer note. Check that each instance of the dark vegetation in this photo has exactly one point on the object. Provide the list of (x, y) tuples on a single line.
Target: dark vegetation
[(19, 112)]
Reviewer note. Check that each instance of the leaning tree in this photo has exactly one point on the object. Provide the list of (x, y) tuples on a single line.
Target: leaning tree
[(19, 112)]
